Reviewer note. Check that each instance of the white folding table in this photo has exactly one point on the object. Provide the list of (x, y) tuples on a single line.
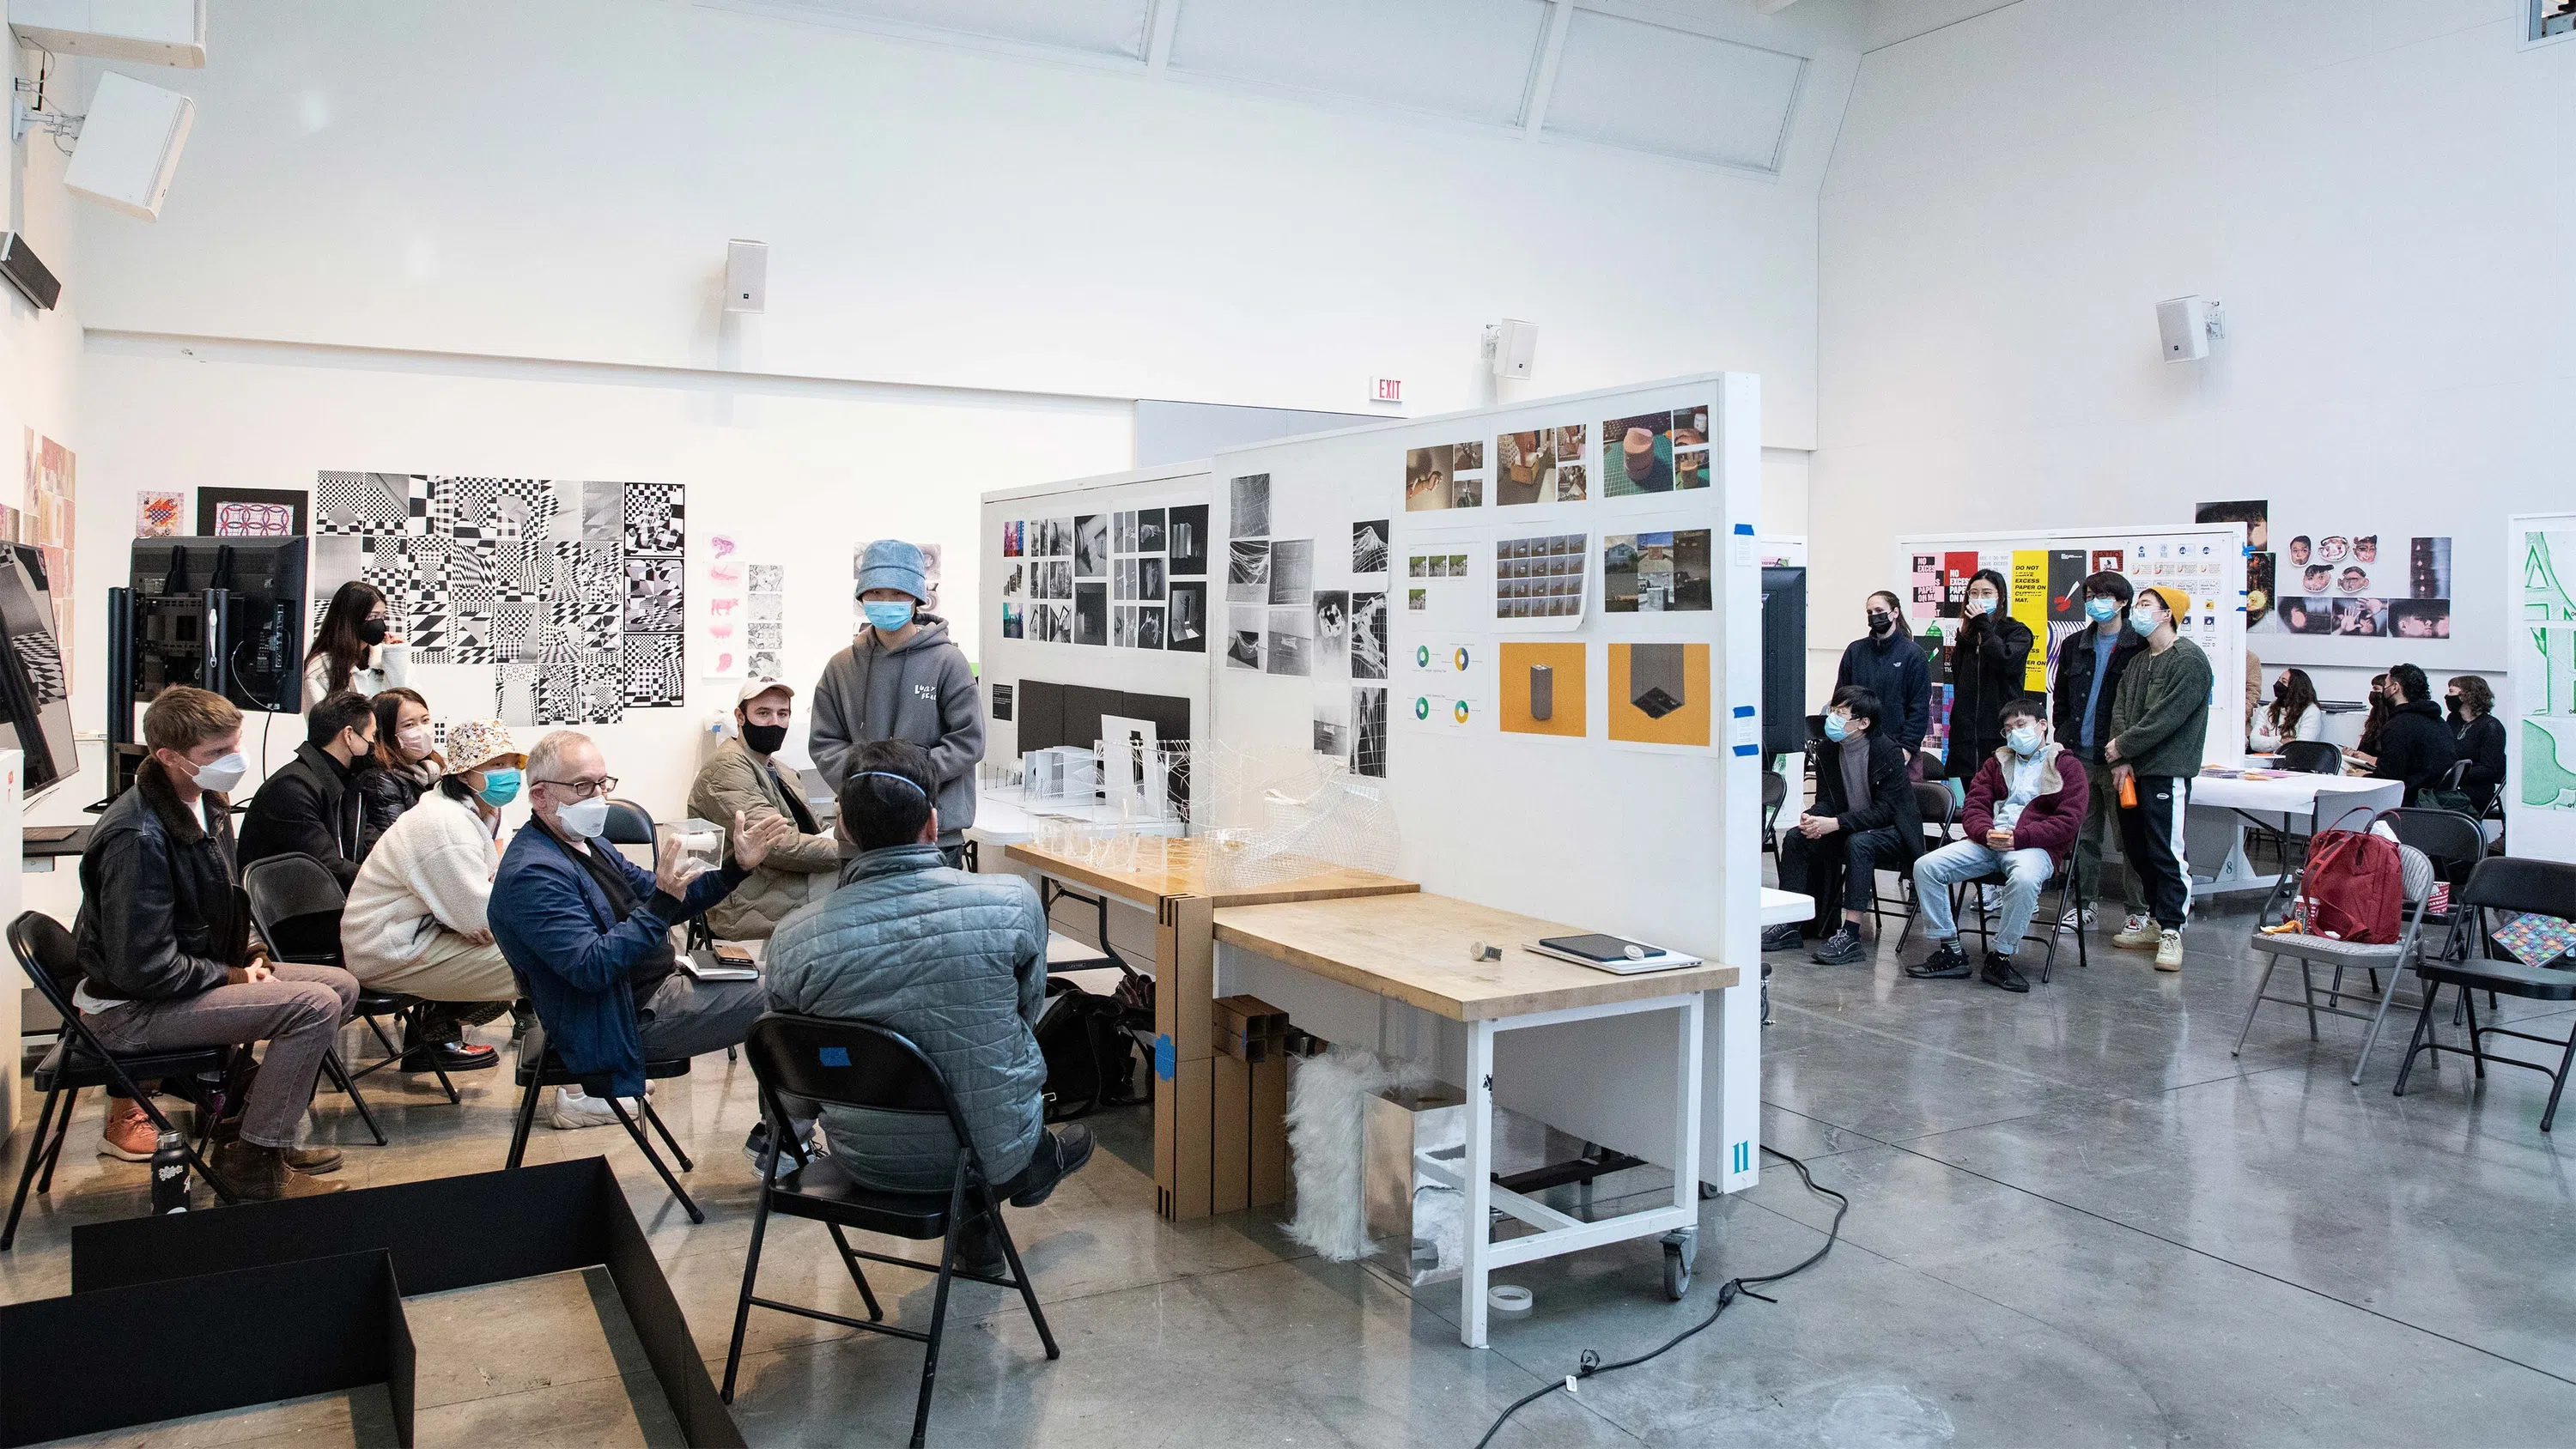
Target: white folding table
[(1416, 949), (2222, 806)]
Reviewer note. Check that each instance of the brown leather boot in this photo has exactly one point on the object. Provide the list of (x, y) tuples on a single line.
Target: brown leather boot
[(260, 1174), (309, 1160)]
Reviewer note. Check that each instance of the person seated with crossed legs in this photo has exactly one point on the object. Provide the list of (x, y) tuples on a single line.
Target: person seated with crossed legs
[(2025, 808), (952, 960), (1863, 821)]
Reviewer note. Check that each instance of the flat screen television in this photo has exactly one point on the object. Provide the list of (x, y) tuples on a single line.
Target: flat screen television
[(1784, 660), (260, 638)]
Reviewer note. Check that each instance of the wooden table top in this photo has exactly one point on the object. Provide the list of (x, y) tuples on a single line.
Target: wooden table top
[(1414, 948), (1182, 867)]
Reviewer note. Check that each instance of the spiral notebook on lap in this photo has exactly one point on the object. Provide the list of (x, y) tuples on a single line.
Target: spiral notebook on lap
[(1614, 954)]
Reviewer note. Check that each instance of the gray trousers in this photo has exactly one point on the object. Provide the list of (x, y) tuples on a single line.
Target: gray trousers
[(298, 1012), (2102, 821), (689, 1018)]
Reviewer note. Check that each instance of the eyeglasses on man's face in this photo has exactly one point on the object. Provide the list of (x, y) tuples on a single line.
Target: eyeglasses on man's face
[(585, 787)]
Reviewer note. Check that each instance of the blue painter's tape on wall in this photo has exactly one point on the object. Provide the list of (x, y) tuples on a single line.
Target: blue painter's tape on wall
[(1744, 528), (1166, 1058), (1744, 711), (1748, 749)]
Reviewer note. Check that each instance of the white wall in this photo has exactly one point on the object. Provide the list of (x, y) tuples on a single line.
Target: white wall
[(558, 180), (2379, 189), (39, 351)]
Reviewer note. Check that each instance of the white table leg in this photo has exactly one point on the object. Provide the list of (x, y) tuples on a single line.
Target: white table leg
[(1686, 1106), (1476, 1232)]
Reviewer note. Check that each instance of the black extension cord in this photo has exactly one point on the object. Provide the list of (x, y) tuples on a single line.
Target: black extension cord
[(1591, 1365)]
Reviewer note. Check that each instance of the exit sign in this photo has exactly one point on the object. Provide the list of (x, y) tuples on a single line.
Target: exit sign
[(1387, 390)]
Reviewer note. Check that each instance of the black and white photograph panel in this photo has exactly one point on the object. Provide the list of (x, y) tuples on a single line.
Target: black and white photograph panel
[(1292, 571), (1332, 633), (1189, 617), (1149, 578), (1243, 636), (1149, 627), (1188, 540), (1368, 731), (1368, 636), (1149, 530), (1292, 641), (1247, 579), (1368, 546), (1248, 498), (1091, 613), (1091, 546)]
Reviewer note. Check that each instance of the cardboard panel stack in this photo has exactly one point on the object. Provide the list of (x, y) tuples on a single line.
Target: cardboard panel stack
[(1249, 1120)]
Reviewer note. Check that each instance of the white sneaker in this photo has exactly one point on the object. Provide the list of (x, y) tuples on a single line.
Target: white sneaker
[(2139, 935), (575, 1109), (2075, 921), (2169, 951)]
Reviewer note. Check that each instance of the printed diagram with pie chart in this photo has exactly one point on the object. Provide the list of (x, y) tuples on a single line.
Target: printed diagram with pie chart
[(1445, 694)]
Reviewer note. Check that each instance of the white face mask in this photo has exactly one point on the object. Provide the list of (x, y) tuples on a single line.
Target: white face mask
[(583, 819), (413, 742), (222, 775), (1979, 604), (2025, 740)]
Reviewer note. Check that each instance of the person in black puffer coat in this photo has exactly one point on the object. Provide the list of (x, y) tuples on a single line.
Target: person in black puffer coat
[(405, 764), (2414, 745), (1985, 673)]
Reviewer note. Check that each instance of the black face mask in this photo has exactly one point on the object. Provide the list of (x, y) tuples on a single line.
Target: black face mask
[(1880, 621), (764, 739), (2453, 705), (371, 632)]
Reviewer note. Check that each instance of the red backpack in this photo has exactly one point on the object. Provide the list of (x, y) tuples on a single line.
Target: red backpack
[(2354, 888)]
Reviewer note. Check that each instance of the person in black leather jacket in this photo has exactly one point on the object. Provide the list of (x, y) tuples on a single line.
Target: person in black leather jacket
[(312, 804), (169, 959)]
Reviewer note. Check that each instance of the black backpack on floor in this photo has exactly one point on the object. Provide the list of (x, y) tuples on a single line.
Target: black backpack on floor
[(1090, 1057)]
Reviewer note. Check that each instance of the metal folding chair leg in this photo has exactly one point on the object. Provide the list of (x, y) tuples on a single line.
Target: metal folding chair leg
[(635, 1130), (939, 1305), (48, 1153), (674, 1143), (338, 1071), (858, 1275), (527, 1118), (27, 1170)]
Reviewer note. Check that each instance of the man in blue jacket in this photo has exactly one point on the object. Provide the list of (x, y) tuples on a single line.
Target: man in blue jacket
[(955, 962), (589, 932)]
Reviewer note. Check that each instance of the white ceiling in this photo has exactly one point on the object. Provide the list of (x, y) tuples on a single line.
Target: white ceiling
[(1707, 81), (1889, 21)]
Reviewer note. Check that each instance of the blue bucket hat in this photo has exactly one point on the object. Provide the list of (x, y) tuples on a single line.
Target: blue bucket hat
[(891, 563)]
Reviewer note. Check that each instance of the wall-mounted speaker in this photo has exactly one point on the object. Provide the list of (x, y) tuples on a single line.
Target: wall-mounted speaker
[(746, 276), (129, 145), (1515, 347)]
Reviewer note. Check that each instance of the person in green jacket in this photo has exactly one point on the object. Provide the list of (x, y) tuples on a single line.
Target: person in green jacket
[(2159, 722), (743, 777)]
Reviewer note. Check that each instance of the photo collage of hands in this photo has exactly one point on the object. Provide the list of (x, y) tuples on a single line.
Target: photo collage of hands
[(1135, 579)]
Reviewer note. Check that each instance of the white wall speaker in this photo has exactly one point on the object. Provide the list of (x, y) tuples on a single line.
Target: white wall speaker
[(2187, 324), (746, 276), (129, 145), (154, 32), (1514, 345)]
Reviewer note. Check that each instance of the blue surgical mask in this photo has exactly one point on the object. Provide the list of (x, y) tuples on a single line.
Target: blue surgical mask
[(888, 615), (500, 787), (1837, 728), (2102, 611), (2024, 740), (2144, 620)]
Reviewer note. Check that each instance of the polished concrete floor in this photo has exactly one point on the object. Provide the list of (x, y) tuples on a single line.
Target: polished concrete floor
[(2076, 1219)]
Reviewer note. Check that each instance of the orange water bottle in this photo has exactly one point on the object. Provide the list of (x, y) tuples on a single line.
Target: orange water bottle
[(2128, 792)]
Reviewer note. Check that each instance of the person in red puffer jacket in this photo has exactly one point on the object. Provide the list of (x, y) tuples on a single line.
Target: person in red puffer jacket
[(2025, 808)]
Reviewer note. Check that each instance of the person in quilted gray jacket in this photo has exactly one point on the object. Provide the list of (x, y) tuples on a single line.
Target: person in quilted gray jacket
[(954, 961)]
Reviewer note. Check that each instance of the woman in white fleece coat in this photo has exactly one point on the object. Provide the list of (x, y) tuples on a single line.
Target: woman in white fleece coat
[(415, 921)]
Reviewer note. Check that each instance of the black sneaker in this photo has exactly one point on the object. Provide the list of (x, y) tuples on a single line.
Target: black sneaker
[(1946, 963), (979, 1249), (450, 1057), (2000, 971), (1841, 948), (1780, 938), (1060, 1154)]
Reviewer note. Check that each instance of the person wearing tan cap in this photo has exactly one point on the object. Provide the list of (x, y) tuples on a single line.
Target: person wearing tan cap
[(2159, 723), (743, 777), (417, 921)]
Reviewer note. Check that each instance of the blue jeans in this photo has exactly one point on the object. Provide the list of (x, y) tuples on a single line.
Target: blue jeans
[(2025, 871)]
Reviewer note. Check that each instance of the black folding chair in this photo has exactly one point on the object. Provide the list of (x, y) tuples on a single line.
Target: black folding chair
[(2502, 883), (540, 1067), (2061, 881), (77, 1061), (1940, 812), (296, 903), (2454, 844), (861, 1064), (1775, 793), (2299, 757)]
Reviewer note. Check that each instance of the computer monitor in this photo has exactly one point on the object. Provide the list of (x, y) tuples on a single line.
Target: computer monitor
[(1784, 660), (257, 644), (35, 693)]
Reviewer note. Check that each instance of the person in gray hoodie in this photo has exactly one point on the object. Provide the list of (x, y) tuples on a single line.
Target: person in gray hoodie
[(901, 679)]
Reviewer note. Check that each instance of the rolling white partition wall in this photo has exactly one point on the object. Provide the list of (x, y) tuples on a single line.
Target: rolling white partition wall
[(2538, 704), (1562, 706)]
